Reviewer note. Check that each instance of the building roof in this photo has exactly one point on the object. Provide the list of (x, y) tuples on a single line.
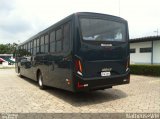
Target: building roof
[(144, 39), (6, 55)]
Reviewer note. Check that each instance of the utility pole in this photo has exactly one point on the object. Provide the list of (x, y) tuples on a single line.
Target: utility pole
[(119, 5), (156, 32)]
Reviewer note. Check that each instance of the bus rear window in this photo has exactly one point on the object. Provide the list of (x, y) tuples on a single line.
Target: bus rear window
[(102, 30)]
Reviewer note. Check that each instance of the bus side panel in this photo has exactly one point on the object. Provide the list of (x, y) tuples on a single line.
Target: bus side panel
[(59, 71), (56, 71)]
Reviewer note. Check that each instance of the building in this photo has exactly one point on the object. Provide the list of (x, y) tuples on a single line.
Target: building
[(6, 56), (7, 59), (145, 50)]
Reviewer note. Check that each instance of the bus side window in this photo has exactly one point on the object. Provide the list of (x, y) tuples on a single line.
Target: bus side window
[(31, 45), (34, 47), (37, 45), (66, 40), (46, 43), (52, 41), (28, 48), (42, 44), (59, 40)]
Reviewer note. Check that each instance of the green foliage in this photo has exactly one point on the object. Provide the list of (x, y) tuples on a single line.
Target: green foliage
[(150, 70), (22, 52), (7, 48), (11, 49)]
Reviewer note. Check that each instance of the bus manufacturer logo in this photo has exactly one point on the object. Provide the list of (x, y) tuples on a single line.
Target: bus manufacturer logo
[(106, 45), (106, 69)]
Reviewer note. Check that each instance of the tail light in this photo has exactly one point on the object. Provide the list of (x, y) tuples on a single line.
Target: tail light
[(78, 66), (79, 85), (127, 65)]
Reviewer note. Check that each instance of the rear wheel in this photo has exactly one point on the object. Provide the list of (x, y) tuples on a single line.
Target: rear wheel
[(40, 81), (19, 72)]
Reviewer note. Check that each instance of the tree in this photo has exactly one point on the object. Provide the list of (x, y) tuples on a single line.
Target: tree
[(22, 52), (8, 48)]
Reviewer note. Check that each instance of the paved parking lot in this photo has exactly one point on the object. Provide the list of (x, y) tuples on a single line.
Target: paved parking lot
[(23, 95)]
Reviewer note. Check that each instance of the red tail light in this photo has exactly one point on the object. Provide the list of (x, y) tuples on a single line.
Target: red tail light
[(80, 85), (78, 65), (127, 65)]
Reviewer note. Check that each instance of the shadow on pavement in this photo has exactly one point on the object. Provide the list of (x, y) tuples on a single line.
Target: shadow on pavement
[(88, 98), (83, 98), (28, 80)]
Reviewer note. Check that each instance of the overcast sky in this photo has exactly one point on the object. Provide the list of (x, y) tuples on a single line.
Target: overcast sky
[(21, 19)]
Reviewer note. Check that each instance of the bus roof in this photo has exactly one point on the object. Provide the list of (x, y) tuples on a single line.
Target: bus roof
[(99, 15), (69, 17)]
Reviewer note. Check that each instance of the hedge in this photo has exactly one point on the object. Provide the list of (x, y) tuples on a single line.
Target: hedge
[(150, 70)]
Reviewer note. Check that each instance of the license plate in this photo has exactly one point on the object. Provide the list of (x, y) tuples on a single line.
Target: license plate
[(105, 73)]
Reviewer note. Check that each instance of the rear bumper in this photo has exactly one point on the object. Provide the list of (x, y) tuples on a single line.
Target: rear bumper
[(87, 84)]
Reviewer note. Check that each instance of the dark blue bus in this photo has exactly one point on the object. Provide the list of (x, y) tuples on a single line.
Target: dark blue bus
[(83, 52)]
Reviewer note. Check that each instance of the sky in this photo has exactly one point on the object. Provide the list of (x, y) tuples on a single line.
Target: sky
[(21, 19)]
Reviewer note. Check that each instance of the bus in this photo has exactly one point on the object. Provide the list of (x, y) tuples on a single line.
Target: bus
[(82, 52)]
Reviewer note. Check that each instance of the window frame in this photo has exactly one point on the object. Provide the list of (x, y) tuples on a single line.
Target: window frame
[(132, 50), (96, 17), (34, 46), (61, 39), (145, 50), (46, 34), (52, 41), (37, 45), (67, 23), (42, 36)]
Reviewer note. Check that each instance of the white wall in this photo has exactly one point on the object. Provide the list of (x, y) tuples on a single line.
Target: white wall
[(156, 52), (140, 58)]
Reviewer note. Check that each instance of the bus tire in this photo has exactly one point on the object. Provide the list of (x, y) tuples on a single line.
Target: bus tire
[(19, 72), (40, 81)]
